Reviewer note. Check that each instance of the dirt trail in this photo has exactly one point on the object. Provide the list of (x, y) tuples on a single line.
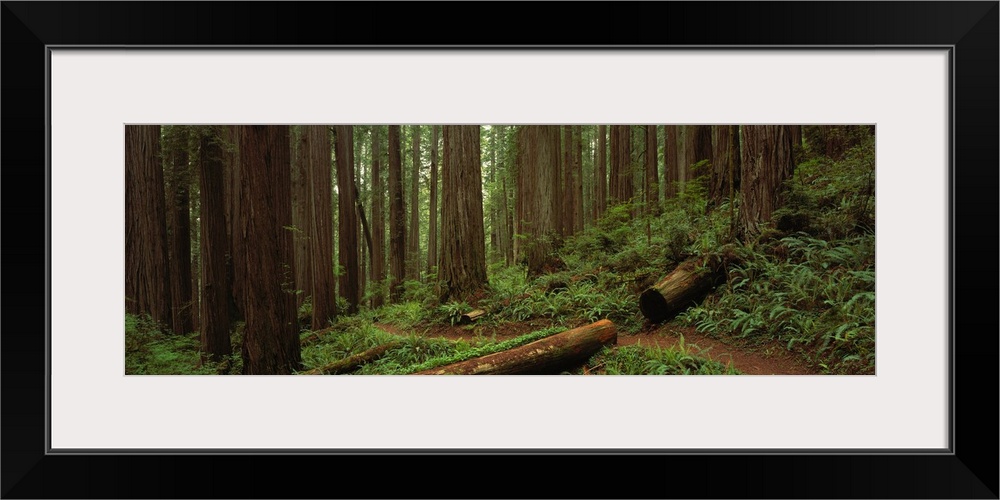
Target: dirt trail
[(765, 360), (762, 360)]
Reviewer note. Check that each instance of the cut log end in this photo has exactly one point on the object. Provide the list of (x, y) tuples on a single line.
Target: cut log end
[(653, 306), (470, 316)]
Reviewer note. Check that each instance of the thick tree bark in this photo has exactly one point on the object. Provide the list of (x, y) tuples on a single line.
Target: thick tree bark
[(697, 147), (317, 155), (147, 276), (725, 161), (232, 158), (652, 177), (507, 215), (545, 356), (347, 219), (215, 342), (682, 288), (538, 196), (577, 180), (432, 229), (766, 164), (354, 362), (270, 339), (301, 213), (397, 217), (621, 185), (566, 193), (494, 230), (671, 160), (179, 205), (413, 239), (378, 219), (601, 186), (463, 254)]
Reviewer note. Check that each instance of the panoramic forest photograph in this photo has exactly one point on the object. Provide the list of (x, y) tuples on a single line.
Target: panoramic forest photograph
[(439, 249)]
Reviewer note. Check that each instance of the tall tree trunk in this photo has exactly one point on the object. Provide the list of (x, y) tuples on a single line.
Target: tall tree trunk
[(766, 163), (671, 160), (270, 338), (507, 219), (301, 213), (601, 186), (397, 217), (317, 146), (494, 231), (214, 319), (432, 229), (725, 160), (577, 179), (652, 177), (621, 185), (378, 219), (179, 205), (233, 224), (360, 208), (347, 253), (538, 195), (413, 239), (697, 147), (463, 255), (147, 276), (566, 193)]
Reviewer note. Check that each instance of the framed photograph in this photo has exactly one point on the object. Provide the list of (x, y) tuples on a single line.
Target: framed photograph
[(921, 77)]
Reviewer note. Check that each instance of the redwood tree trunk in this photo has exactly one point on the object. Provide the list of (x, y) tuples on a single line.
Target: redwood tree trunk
[(652, 177), (215, 341), (147, 277), (397, 217), (301, 213), (621, 184), (432, 229), (232, 155), (566, 193), (180, 231), (697, 147), (347, 253), (321, 233), (725, 161), (378, 219), (270, 337), (671, 160), (463, 255), (577, 179), (413, 239), (601, 186), (537, 195), (766, 163)]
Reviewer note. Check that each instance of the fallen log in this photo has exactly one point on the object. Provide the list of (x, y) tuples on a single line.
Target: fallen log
[(545, 356), (353, 362), (682, 288), (470, 316), (315, 336)]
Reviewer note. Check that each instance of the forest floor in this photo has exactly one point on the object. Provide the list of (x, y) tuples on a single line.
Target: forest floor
[(764, 359)]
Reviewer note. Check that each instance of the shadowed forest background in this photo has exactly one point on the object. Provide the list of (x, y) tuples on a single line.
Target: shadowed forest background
[(534, 249)]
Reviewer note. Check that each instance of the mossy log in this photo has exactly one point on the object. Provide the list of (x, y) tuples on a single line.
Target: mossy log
[(316, 336), (353, 362), (471, 316), (682, 288), (545, 356)]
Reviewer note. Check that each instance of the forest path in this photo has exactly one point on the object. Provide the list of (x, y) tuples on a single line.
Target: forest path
[(770, 359)]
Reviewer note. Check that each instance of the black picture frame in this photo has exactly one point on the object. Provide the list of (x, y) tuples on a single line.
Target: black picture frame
[(970, 470)]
